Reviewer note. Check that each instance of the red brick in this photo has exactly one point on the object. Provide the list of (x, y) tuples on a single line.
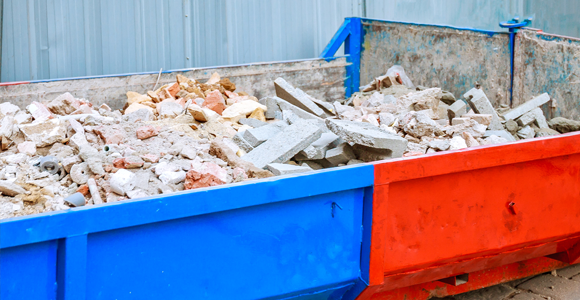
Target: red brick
[(215, 101), (146, 132)]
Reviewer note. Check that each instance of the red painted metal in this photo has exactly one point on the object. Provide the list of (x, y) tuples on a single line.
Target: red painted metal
[(13, 83), (446, 214), (477, 280)]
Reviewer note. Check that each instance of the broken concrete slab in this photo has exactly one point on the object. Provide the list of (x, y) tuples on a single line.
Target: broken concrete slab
[(368, 135), (252, 122), (272, 104), (481, 105), (222, 151), (284, 169), (328, 108), (296, 97), (536, 116), (526, 107), (241, 142), (256, 136), (340, 155), (283, 146), (317, 150)]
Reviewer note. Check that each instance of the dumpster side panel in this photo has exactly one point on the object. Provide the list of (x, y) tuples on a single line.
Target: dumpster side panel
[(445, 214), (545, 63), (28, 271), (477, 280), (320, 78), (438, 56), (286, 246), (298, 236)]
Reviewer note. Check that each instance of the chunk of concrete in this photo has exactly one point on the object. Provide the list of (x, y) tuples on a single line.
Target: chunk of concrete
[(317, 150), (272, 104), (256, 136), (511, 126), (122, 182), (500, 133), (564, 125), (284, 169), (64, 104), (481, 105), (296, 97), (368, 135), (459, 108), (440, 145), (546, 132), (457, 121), (456, 143), (340, 155), (241, 142), (169, 109), (242, 109), (283, 146), (387, 119), (44, 133), (302, 114), (526, 107), (493, 140), (442, 111), (536, 116), (8, 109), (328, 108), (252, 122), (483, 119), (526, 133)]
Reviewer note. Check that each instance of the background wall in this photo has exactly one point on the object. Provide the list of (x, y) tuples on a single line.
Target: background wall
[(44, 39)]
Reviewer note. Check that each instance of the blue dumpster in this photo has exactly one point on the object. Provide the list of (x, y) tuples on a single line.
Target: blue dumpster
[(287, 237)]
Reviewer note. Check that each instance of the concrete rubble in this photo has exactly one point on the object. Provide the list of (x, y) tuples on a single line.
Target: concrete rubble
[(192, 134)]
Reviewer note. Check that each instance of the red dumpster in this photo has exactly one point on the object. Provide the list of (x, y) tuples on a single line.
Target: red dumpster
[(474, 216)]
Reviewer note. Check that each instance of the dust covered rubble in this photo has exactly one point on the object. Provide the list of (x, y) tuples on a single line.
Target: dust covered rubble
[(161, 142), (189, 135)]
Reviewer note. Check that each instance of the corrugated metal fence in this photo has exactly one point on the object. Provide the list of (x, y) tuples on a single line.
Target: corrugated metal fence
[(44, 39)]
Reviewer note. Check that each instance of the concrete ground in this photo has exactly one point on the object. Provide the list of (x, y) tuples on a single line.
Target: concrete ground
[(563, 284)]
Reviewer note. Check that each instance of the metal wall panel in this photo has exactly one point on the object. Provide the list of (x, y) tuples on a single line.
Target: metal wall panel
[(47, 39), (481, 14), (44, 39)]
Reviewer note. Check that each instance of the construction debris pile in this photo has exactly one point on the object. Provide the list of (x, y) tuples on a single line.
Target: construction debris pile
[(186, 135), (432, 120)]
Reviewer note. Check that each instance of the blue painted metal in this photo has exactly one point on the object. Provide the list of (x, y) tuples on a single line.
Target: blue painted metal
[(337, 40), (353, 47), (271, 238), (488, 32), (513, 26), (28, 271), (72, 267), (350, 33)]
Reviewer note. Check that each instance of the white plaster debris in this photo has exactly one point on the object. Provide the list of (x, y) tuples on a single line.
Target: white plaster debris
[(190, 134)]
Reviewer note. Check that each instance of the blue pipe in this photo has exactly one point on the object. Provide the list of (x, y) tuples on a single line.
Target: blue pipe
[(513, 26)]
